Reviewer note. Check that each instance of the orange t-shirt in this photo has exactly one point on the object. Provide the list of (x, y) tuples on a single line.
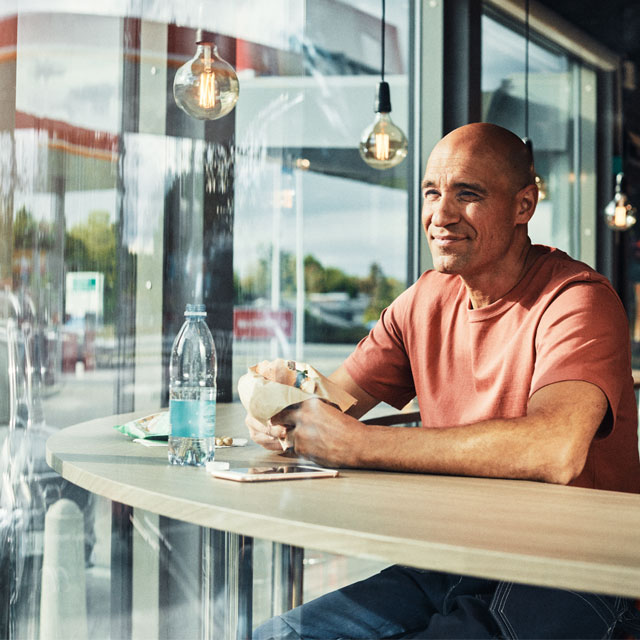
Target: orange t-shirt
[(562, 321)]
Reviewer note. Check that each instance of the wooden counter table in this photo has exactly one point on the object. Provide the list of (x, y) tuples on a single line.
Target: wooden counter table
[(509, 530)]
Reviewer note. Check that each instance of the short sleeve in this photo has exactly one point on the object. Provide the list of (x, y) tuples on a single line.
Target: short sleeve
[(574, 343), (380, 364)]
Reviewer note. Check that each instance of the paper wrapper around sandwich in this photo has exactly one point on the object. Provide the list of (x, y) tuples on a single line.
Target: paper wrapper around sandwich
[(264, 398)]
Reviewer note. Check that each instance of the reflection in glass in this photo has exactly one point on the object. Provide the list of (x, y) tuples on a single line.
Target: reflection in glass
[(117, 208), (620, 214), (551, 90)]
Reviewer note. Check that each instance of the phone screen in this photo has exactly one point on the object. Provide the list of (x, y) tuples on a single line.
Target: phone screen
[(283, 468), (275, 472)]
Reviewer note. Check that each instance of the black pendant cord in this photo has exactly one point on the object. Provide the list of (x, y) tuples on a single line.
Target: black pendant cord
[(382, 40), (526, 69), (383, 95)]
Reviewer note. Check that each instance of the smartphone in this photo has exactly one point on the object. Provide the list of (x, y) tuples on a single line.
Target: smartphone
[(275, 472)]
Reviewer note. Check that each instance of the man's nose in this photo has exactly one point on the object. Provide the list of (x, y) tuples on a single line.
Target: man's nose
[(444, 213)]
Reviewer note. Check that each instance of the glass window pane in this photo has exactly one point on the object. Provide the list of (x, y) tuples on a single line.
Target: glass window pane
[(117, 209), (320, 239), (541, 106)]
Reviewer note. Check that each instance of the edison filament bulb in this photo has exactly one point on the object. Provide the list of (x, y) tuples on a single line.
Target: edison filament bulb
[(619, 213), (383, 145), (206, 87)]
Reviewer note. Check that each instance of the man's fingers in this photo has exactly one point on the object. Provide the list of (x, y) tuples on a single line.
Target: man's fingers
[(264, 440), (286, 417), (267, 435), (276, 431), (270, 430), (288, 441)]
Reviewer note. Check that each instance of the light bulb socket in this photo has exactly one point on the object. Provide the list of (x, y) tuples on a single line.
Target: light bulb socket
[(382, 103)]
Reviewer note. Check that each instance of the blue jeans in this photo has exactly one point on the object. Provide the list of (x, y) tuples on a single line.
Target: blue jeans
[(401, 602)]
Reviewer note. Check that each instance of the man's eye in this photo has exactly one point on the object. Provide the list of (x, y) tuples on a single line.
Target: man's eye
[(468, 196), (430, 194)]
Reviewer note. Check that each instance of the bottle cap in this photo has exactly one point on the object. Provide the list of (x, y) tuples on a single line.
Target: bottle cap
[(195, 310), (214, 465)]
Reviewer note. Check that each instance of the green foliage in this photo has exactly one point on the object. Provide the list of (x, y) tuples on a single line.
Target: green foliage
[(255, 284), (319, 279), (383, 291), (91, 246), (29, 234)]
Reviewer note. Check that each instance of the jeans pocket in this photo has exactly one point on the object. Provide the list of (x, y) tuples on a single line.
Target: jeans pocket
[(523, 612)]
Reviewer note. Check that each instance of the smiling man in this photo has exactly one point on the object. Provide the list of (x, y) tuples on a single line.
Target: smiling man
[(478, 195), (519, 358)]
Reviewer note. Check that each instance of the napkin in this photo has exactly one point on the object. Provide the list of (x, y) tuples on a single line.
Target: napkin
[(153, 426), (264, 398)]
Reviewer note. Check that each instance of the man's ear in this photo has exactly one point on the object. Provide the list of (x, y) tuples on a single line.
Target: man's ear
[(527, 200)]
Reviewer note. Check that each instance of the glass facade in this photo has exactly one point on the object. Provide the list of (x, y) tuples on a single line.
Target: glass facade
[(120, 196), (117, 209), (554, 105)]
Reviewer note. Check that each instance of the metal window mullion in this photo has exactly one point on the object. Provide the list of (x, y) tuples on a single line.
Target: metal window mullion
[(427, 76), (415, 122), (575, 222)]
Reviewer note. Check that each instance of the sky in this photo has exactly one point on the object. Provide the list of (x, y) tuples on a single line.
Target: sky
[(347, 224)]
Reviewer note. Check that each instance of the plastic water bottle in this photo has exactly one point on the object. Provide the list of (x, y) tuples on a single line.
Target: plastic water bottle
[(192, 391)]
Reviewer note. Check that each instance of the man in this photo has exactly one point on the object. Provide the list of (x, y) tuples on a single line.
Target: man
[(519, 358)]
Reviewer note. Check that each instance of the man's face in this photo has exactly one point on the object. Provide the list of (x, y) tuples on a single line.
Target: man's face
[(468, 211)]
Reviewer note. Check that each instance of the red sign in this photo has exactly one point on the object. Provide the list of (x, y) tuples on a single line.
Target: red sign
[(262, 323)]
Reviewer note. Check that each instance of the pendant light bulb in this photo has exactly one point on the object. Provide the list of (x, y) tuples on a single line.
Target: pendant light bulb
[(206, 87), (619, 213), (543, 193), (542, 187), (383, 145)]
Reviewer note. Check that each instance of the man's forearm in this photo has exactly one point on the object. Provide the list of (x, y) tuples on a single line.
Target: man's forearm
[(550, 443), (506, 448), (497, 448)]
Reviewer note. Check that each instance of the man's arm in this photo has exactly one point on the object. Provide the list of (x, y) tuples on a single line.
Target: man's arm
[(550, 443), (364, 401)]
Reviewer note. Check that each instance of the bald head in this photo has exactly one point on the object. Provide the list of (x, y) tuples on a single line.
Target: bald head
[(479, 194), (489, 143)]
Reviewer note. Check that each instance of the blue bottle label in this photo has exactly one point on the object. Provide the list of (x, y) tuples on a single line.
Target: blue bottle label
[(192, 418)]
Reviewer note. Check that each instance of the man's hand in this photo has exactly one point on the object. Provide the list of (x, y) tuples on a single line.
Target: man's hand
[(278, 434), (269, 436), (316, 429), (322, 433)]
